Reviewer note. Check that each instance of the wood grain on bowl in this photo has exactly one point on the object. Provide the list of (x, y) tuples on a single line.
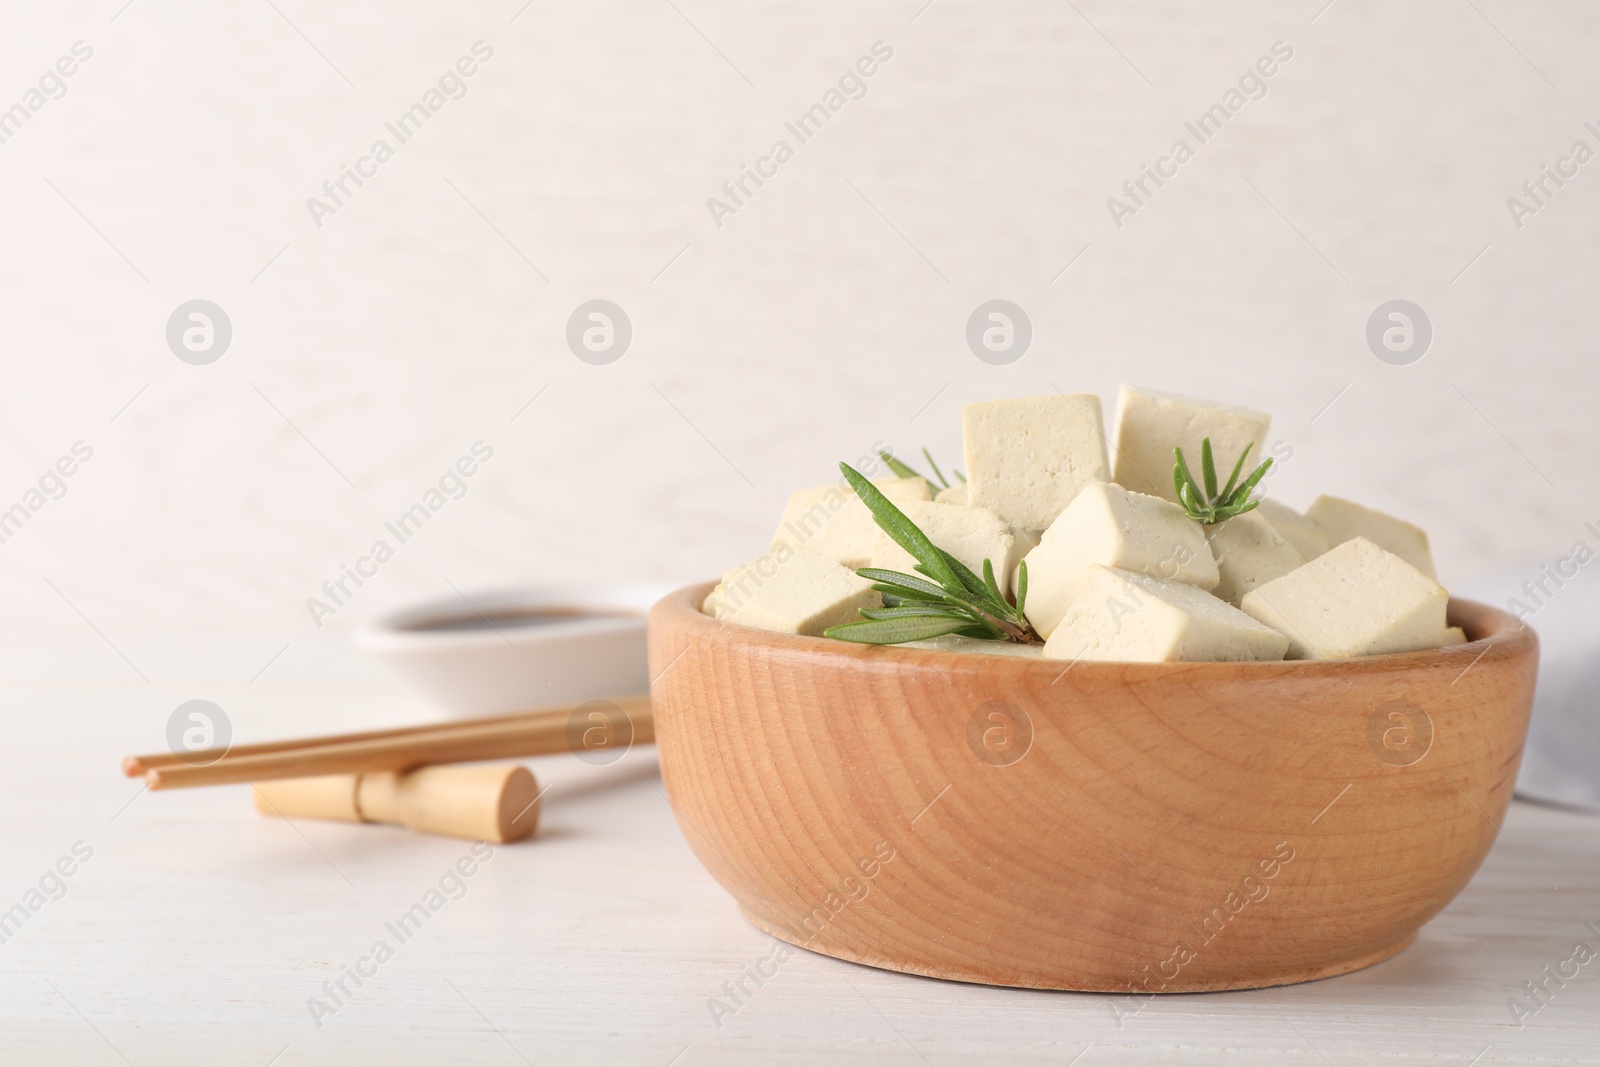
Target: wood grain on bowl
[(1168, 827)]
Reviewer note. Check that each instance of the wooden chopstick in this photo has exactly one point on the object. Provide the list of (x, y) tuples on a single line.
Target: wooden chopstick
[(135, 766), (530, 734)]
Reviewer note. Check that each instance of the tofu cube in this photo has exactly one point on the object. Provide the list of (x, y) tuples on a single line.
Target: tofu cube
[(1136, 618), (1107, 524), (1354, 600), (1027, 540), (955, 494), (791, 591), (1151, 424), (1028, 458), (1306, 536), (898, 489), (1343, 519), (832, 520), (970, 534), (1249, 552), (1453, 635)]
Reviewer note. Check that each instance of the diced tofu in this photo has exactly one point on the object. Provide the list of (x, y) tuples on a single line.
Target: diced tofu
[(970, 534), (898, 489), (1249, 552), (791, 591), (1306, 536), (1151, 424), (1027, 540), (956, 494), (832, 520), (1109, 525), (1028, 458), (1354, 600), (1137, 618), (1343, 519), (1454, 635)]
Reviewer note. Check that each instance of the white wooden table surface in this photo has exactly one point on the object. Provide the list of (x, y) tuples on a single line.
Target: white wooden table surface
[(197, 932)]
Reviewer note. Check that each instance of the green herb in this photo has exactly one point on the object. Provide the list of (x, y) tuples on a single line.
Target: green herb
[(904, 471), (948, 599), (1208, 505)]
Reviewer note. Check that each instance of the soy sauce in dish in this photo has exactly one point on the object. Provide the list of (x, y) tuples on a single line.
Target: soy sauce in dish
[(512, 620)]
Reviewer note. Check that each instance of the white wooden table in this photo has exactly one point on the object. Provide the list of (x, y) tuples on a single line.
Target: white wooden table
[(198, 931)]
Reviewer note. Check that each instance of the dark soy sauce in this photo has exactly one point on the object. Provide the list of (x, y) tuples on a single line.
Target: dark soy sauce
[(523, 619)]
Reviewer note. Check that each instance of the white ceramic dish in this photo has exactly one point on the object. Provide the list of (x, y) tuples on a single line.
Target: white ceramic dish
[(483, 655)]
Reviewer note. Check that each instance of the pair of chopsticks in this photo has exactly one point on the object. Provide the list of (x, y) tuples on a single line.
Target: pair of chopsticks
[(536, 733)]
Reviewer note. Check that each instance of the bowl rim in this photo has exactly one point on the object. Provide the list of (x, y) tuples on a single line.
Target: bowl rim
[(1492, 633)]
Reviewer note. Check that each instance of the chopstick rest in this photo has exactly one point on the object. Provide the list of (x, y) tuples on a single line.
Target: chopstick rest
[(498, 803)]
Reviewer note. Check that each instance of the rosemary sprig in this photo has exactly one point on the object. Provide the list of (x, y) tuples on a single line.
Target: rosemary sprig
[(905, 471), (1208, 505), (948, 599)]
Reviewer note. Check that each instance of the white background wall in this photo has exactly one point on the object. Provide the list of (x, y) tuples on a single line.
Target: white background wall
[(827, 313)]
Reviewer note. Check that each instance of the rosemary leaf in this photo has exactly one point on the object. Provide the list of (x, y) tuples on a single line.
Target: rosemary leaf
[(937, 473), (1242, 493), (1209, 506), (970, 581), (1227, 490), (904, 532), (1181, 477), (916, 611), (991, 585), (907, 585), (896, 631), (899, 468)]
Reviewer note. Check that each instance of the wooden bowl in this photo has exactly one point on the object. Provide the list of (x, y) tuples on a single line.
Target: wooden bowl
[(1116, 827)]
